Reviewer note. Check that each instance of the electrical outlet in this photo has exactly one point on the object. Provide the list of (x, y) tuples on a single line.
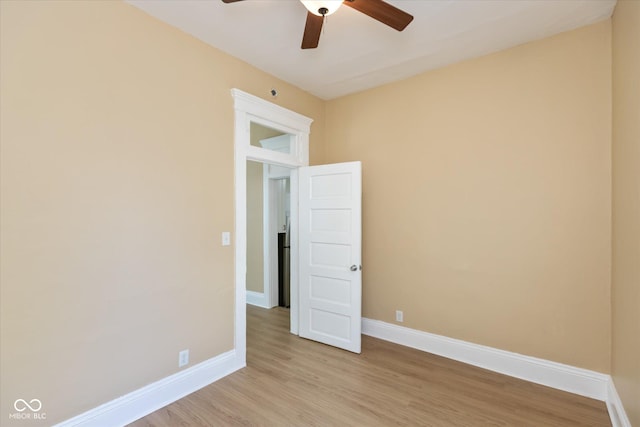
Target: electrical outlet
[(399, 316), (183, 358)]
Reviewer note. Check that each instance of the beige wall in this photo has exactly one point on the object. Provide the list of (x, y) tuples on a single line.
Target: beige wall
[(255, 232), (626, 206), (116, 182), (486, 197)]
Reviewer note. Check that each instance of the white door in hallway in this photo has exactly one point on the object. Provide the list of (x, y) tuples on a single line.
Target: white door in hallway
[(330, 281)]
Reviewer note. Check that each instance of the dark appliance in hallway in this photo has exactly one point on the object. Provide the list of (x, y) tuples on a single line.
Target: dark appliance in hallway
[(284, 269)]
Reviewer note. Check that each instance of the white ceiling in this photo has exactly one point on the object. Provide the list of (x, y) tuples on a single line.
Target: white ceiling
[(357, 52)]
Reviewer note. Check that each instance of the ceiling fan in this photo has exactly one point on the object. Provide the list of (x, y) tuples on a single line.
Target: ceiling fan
[(319, 9)]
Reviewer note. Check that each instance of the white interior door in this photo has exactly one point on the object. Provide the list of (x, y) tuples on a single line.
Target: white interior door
[(330, 286)]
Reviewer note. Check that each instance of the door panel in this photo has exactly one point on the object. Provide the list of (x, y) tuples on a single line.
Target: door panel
[(330, 244), (332, 290)]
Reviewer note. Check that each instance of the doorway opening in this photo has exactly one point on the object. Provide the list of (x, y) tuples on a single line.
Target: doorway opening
[(292, 152), (268, 235), (268, 222)]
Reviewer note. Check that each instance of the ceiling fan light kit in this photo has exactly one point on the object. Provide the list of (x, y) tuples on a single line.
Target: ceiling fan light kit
[(322, 7), (317, 10)]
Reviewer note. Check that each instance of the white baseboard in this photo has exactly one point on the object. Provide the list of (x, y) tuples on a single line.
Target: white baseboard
[(563, 377), (257, 298), (614, 405), (137, 404)]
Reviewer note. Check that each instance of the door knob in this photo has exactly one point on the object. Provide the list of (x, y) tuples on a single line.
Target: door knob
[(354, 268)]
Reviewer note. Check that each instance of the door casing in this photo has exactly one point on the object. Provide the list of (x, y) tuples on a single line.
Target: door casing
[(248, 109)]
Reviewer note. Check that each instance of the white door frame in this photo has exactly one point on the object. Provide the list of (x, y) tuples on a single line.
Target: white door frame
[(248, 109)]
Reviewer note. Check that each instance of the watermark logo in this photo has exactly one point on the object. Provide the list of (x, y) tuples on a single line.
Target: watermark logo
[(28, 410), (21, 405)]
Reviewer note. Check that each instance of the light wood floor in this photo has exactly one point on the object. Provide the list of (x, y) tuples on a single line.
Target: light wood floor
[(290, 381)]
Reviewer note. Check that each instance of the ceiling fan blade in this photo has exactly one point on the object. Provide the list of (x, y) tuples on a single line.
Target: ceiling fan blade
[(230, 1), (383, 12), (312, 31)]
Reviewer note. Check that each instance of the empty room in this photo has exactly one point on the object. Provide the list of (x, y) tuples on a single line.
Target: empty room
[(319, 213)]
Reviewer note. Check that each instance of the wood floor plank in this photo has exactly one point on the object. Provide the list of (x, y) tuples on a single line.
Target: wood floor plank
[(290, 381)]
